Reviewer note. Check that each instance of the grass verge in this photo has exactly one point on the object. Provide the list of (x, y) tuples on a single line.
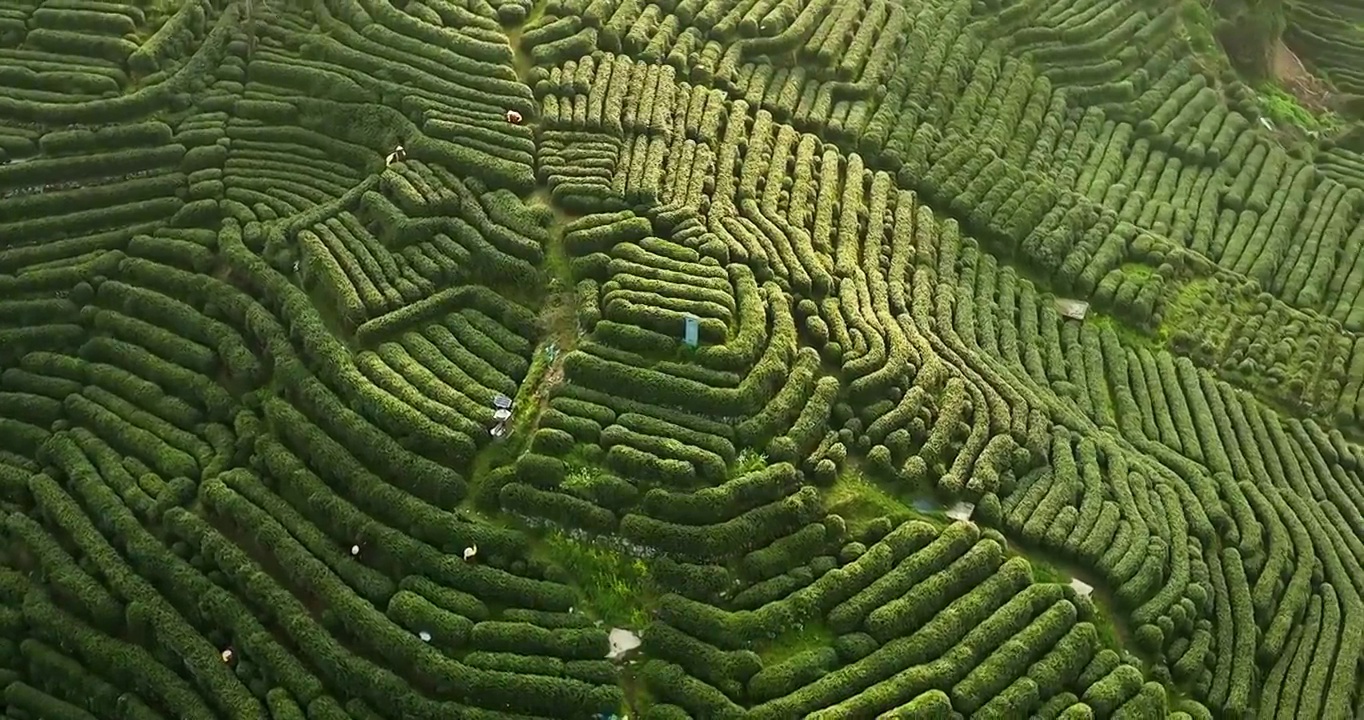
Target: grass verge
[(617, 588)]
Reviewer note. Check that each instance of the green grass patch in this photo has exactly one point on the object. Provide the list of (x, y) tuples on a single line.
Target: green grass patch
[(581, 463), (1128, 334), (1284, 110), (747, 461), (1139, 271), (1045, 572), (795, 640), (859, 499), (618, 589), (578, 480)]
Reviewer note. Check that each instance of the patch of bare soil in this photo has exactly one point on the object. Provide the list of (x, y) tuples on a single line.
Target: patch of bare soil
[(1295, 78)]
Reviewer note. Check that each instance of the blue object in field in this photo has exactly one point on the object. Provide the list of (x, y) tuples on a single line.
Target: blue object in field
[(692, 331)]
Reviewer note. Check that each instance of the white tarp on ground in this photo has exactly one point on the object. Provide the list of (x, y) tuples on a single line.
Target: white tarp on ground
[(622, 641), (1082, 587), (1073, 309), (961, 511)]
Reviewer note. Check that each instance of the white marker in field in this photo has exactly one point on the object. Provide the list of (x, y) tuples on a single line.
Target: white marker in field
[(621, 641)]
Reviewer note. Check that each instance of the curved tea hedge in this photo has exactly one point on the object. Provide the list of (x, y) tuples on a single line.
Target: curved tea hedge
[(346, 370)]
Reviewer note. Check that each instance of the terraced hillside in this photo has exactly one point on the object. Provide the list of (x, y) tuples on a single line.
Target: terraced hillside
[(346, 366)]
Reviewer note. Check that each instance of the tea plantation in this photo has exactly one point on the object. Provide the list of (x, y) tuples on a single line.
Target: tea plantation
[(391, 359)]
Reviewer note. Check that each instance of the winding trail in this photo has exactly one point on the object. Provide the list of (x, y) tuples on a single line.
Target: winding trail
[(559, 321), (556, 312)]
